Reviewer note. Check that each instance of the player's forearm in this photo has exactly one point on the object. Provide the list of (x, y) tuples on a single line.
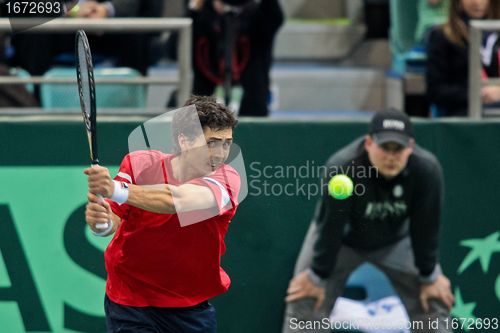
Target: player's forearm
[(165, 199), (156, 199)]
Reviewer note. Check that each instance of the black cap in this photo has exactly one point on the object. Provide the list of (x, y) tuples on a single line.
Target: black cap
[(391, 126)]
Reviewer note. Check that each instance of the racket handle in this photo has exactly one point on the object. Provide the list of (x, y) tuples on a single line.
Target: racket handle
[(100, 226)]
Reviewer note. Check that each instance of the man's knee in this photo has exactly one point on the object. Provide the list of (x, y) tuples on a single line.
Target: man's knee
[(435, 321)]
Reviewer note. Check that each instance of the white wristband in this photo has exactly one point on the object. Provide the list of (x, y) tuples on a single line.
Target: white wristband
[(120, 193), (105, 232)]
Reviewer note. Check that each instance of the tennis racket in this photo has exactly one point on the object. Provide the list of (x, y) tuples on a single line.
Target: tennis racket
[(86, 92)]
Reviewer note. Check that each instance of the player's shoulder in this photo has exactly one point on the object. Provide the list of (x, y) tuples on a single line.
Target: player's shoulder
[(225, 177), (226, 171), (147, 154), (230, 169), (347, 154), (146, 157), (143, 159)]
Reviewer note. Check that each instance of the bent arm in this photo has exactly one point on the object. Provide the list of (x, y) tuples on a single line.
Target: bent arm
[(425, 223), (170, 199)]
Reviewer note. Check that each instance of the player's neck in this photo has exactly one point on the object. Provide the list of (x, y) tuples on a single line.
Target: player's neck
[(181, 170)]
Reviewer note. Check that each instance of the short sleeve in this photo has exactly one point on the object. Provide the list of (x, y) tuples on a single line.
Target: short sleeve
[(225, 184)]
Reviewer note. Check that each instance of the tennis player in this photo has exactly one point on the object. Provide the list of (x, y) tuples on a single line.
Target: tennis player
[(163, 262), (392, 223)]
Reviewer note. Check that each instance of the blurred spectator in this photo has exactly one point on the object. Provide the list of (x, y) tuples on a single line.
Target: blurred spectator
[(447, 62), (2, 47), (430, 13), (255, 25), (12, 95), (377, 18), (411, 22), (130, 50)]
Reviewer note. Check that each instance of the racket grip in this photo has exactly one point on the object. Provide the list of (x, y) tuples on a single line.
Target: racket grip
[(100, 226)]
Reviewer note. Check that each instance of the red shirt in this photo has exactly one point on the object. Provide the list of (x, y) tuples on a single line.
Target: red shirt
[(152, 259)]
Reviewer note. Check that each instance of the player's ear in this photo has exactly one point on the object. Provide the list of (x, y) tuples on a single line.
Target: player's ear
[(411, 144), (368, 141), (183, 142)]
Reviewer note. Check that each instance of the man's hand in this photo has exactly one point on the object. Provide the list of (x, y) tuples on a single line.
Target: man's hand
[(490, 94), (99, 181), (97, 211), (301, 286), (92, 9), (439, 289)]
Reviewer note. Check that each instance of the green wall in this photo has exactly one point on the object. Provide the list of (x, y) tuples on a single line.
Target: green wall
[(51, 269)]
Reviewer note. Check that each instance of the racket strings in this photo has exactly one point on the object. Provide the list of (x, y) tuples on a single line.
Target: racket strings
[(85, 79), (86, 90)]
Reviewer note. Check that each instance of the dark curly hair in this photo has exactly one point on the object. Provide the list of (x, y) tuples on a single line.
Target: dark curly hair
[(213, 115), (209, 114)]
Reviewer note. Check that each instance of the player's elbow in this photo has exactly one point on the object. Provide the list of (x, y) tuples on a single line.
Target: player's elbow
[(163, 202), (167, 205), (193, 197), (180, 203)]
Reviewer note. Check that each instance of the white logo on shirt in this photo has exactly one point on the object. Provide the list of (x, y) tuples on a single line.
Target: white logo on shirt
[(383, 210), (397, 191)]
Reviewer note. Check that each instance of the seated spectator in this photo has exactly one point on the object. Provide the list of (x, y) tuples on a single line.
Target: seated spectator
[(12, 95), (255, 26), (130, 50), (447, 62)]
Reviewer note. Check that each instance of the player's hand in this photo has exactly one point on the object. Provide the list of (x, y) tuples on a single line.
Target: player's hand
[(92, 9), (97, 211), (440, 290), (99, 181), (490, 94), (301, 286)]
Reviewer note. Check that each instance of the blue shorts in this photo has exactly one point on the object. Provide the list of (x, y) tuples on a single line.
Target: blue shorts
[(195, 319)]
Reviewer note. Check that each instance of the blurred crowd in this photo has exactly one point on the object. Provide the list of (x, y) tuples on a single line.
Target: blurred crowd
[(436, 34), (233, 46)]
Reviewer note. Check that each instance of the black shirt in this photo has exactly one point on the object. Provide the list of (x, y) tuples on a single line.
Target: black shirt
[(447, 74), (381, 211)]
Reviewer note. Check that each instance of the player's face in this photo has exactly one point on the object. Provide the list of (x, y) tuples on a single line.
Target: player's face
[(218, 143), (476, 9), (206, 153), (390, 158)]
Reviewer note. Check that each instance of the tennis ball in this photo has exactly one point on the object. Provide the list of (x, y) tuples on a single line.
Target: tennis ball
[(340, 187)]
